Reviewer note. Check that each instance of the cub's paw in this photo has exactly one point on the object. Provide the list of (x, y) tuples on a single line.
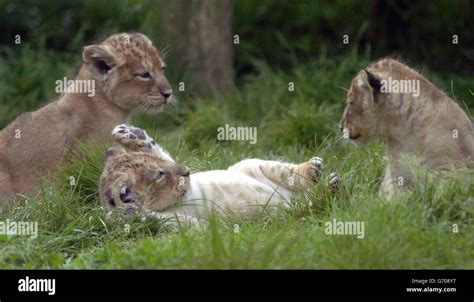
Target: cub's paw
[(333, 181), (119, 192), (127, 195), (134, 138), (316, 168)]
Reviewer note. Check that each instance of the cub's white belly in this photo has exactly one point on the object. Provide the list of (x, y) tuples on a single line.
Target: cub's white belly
[(226, 192)]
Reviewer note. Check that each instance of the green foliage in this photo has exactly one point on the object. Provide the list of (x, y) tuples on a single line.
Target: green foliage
[(288, 30), (28, 79), (74, 22), (304, 112), (299, 29), (203, 123), (83, 169), (298, 42), (305, 116), (413, 231)]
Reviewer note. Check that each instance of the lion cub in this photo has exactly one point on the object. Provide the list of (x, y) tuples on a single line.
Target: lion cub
[(127, 72), (148, 178), (390, 101)]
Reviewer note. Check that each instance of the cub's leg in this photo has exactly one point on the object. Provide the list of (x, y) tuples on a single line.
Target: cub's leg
[(286, 175), (6, 190), (118, 191), (289, 176), (397, 177), (136, 139)]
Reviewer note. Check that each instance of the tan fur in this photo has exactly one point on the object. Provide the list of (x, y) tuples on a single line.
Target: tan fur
[(412, 126), (47, 134), (141, 171)]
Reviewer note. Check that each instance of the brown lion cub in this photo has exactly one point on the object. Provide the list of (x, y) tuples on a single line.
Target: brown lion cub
[(388, 100), (127, 74)]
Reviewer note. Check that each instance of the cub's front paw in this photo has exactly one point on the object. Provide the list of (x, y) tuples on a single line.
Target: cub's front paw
[(316, 168), (132, 137), (127, 195), (333, 181), (121, 193)]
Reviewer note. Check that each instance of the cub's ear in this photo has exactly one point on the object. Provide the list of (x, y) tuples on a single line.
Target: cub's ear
[(373, 81), (98, 59), (114, 151)]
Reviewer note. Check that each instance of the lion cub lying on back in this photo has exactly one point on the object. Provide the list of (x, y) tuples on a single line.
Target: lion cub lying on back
[(421, 122), (148, 178)]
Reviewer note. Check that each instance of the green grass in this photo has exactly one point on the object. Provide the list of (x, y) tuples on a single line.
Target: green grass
[(413, 231)]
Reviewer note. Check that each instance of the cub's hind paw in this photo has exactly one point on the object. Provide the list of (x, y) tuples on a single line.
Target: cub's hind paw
[(132, 137), (316, 168), (333, 181)]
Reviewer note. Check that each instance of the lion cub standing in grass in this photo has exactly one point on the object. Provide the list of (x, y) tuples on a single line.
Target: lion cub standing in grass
[(388, 100), (148, 178), (127, 71)]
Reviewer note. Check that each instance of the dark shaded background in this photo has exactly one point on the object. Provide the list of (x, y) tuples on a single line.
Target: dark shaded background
[(279, 34), (271, 30)]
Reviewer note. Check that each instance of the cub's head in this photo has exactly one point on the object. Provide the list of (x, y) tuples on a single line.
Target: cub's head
[(363, 117), (129, 71), (138, 179)]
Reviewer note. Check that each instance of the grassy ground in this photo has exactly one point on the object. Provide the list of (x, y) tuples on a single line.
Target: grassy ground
[(417, 230)]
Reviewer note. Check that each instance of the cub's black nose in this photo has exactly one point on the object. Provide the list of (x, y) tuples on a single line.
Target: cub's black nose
[(166, 94), (127, 196)]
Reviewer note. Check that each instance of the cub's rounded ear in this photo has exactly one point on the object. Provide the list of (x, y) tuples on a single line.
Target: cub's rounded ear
[(114, 151), (98, 59), (373, 80)]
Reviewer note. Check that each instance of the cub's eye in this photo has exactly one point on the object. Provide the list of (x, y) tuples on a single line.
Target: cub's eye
[(160, 174), (145, 75)]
